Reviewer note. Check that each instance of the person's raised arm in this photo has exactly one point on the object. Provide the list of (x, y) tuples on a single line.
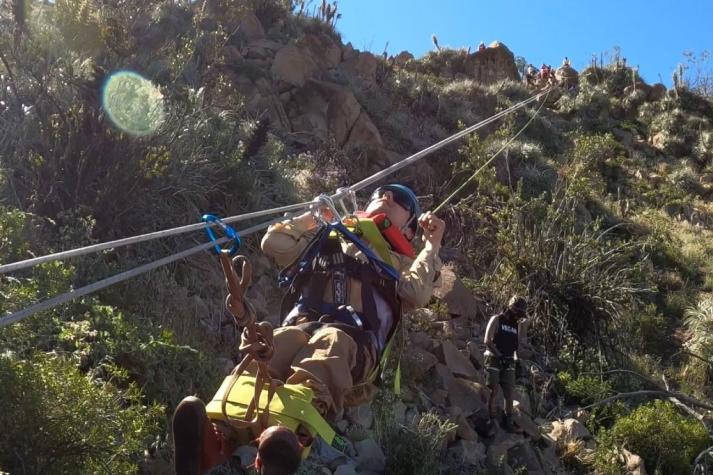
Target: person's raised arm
[(418, 280)]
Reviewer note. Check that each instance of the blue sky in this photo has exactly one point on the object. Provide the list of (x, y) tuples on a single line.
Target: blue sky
[(652, 34)]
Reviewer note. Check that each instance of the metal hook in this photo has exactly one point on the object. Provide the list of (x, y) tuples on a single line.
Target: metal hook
[(351, 195), (319, 204)]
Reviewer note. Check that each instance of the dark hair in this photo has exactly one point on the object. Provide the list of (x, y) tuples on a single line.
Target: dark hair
[(279, 456)]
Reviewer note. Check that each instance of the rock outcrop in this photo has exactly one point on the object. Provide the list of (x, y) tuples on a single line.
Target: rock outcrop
[(493, 64)]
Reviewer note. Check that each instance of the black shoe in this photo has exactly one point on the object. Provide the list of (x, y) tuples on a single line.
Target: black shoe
[(189, 422)]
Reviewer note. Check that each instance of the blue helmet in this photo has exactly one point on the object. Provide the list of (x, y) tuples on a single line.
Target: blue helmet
[(405, 197)]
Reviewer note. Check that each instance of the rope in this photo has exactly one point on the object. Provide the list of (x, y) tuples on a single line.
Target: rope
[(142, 238), (437, 146), (256, 344), (490, 160), (11, 318), (8, 319)]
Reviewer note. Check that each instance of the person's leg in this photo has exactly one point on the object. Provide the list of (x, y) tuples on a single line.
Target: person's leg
[(325, 364), (492, 380), (288, 342), (507, 381)]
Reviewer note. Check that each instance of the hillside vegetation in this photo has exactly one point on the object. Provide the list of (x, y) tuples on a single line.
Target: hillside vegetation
[(600, 213)]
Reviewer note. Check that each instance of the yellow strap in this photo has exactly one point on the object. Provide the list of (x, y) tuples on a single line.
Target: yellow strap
[(290, 406), (367, 229)]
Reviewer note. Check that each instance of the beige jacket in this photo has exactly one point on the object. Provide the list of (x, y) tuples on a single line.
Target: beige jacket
[(284, 242)]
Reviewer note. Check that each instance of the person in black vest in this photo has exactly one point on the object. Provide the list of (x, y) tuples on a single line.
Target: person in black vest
[(501, 343)]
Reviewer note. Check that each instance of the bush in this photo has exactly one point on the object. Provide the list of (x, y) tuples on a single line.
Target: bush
[(413, 448), (667, 441), (584, 390), (56, 420), (579, 276)]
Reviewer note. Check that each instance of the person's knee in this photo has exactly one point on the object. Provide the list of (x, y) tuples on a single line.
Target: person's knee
[(290, 334)]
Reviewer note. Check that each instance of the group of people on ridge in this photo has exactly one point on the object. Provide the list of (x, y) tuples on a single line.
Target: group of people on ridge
[(344, 302), (545, 75)]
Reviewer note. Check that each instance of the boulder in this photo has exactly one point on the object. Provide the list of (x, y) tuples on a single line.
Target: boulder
[(439, 397), (324, 110), (634, 463), (365, 133), (422, 340), (364, 66), (527, 425), (523, 458), (567, 76), (456, 361), (326, 53), (464, 430), (419, 361), (262, 49), (568, 430), (469, 396), (493, 64), (293, 65), (457, 297), (522, 401), (444, 377), (370, 456), (348, 52), (468, 452), (476, 349), (250, 27), (361, 415), (497, 452)]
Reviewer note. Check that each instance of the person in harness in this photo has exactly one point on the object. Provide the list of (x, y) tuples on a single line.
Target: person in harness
[(347, 285), (502, 339), (343, 304)]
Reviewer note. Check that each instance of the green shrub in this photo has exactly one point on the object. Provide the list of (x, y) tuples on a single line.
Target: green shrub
[(416, 448), (583, 389), (667, 441), (56, 420)]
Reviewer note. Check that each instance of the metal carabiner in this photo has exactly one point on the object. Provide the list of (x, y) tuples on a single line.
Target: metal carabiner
[(348, 194), (319, 204), (229, 232)]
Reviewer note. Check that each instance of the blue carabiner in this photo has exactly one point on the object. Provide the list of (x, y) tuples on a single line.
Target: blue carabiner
[(229, 232)]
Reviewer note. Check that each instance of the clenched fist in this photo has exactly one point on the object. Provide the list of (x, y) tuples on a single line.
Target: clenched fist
[(433, 228)]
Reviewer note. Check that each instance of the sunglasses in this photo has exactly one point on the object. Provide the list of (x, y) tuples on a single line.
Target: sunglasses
[(401, 199)]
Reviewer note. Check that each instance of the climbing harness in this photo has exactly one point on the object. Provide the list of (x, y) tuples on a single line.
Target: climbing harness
[(344, 193)]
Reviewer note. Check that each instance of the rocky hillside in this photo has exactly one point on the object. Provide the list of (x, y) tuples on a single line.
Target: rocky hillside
[(599, 213)]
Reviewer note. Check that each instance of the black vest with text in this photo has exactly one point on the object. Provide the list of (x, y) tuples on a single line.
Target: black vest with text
[(506, 336)]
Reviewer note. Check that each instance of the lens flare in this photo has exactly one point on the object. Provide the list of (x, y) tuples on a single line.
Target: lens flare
[(133, 103)]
